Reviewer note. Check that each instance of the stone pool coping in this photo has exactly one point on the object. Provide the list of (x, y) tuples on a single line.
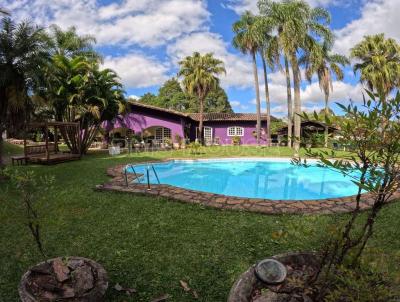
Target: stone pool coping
[(258, 205)]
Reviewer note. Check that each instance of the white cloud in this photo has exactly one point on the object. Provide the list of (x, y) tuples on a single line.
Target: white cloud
[(342, 93), (134, 97), (238, 67), (137, 70), (279, 110), (240, 6), (235, 103), (141, 22), (377, 16), (312, 98)]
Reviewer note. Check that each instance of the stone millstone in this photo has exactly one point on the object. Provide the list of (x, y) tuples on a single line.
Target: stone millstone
[(271, 271), (61, 270), (83, 279), (64, 279)]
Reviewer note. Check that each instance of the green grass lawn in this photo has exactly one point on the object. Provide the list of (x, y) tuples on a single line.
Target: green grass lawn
[(150, 244), (11, 149)]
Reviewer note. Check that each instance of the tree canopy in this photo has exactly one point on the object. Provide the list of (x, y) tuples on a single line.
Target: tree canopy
[(171, 96)]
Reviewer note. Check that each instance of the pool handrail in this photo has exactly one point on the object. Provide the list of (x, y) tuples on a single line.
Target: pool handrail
[(134, 172), (132, 167)]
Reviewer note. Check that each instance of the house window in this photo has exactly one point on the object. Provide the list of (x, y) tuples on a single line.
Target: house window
[(235, 131), (208, 134), (162, 133)]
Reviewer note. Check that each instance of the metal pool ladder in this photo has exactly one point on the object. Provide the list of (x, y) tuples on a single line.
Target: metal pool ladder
[(139, 178)]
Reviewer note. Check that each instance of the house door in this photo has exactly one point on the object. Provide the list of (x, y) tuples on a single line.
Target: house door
[(208, 135)]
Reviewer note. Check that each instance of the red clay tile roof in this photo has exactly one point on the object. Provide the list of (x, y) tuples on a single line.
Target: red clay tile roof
[(228, 116), (208, 116), (135, 103)]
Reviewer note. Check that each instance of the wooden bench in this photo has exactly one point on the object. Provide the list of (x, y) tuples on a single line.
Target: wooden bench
[(20, 160), (39, 149)]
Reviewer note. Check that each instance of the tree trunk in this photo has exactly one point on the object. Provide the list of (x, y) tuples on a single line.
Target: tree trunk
[(258, 105), (201, 99), (267, 102), (289, 102), (297, 104), (1, 148), (326, 134), (3, 117)]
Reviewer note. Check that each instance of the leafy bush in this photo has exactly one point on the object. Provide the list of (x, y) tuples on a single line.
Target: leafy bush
[(359, 285), (178, 139), (194, 147), (374, 166), (167, 141), (314, 140), (236, 140), (31, 191)]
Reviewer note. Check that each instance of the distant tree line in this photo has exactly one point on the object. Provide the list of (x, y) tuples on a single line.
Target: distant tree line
[(172, 96)]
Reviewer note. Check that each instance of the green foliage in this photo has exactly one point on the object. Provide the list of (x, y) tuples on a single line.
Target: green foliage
[(379, 64), (191, 242), (298, 28), (249, 40), (358, 285), (215, 101), (32, 192), (168, 141), (149, 98), (199, 75), (178, 139), (82, 92), (69, 44), (315, 140), (194, 147), (236, 141), (171, 96), (374, 167), (277, 125), (23, 49)]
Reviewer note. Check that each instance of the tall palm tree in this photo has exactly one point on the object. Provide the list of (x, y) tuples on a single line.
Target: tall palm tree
[(248, 40), (266, 50), (320, 61), (82, 92), (68, 43), (273, 54), (23, 52), (379, 63), (297, 26), (200, 76)]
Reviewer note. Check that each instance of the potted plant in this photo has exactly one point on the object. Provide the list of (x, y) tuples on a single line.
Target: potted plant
[(56, 279), (194, 147), (167, 143), (178, 141), (236, 141), (270, 283), (337, 273)]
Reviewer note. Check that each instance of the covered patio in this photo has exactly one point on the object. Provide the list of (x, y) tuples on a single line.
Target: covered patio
[(49, 152)]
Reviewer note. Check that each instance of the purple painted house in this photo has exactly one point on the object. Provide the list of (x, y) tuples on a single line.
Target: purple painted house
[(152, 123)]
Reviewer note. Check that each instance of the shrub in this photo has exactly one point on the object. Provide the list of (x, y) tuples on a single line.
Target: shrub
[(374, 166), (358, 285), (31, 191), (194, 147), (236, 140)]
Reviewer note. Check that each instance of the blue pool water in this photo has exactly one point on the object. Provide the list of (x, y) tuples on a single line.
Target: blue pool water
[(255, 178)]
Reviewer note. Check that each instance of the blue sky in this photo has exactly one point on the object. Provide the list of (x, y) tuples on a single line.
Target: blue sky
[(143, 40)]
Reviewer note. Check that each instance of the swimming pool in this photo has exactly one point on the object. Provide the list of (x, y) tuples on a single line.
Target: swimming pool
[(273, 178)]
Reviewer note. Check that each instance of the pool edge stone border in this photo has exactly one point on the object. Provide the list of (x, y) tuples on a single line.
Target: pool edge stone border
[(257, 205)]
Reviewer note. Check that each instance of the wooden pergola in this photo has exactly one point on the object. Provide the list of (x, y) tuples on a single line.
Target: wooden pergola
[(49, 152)]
